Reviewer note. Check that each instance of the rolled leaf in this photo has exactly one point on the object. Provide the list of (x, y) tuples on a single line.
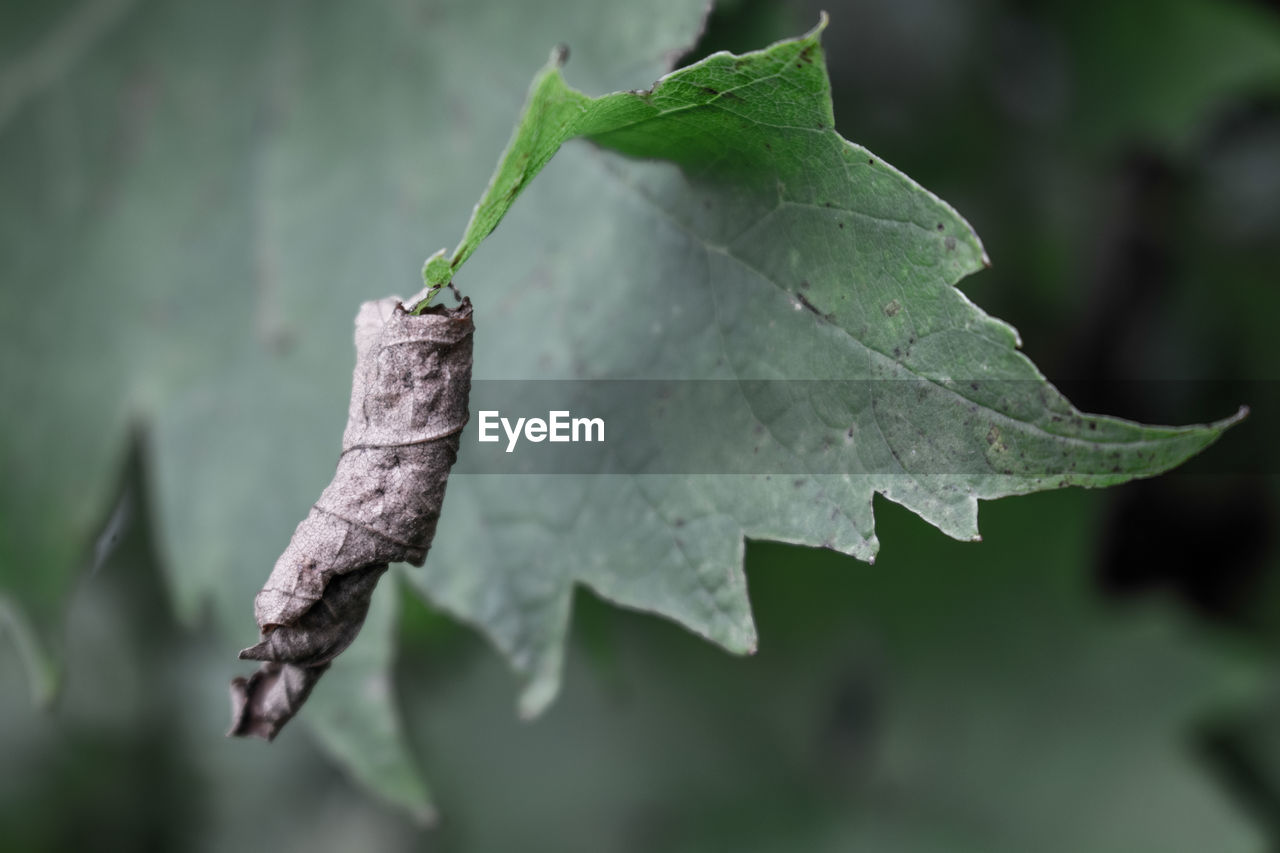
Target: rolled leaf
[(408, 407)]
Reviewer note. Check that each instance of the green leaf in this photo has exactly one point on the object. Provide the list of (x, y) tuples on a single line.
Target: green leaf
[(199, 195), (706, 271), (955, 697)]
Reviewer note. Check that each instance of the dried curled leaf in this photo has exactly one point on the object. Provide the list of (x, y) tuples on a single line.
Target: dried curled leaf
[(408, 407)]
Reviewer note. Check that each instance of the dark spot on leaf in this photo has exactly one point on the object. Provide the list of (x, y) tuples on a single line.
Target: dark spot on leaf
[(950, 243), (939, 226), (767, 145), (973, 386), (797, 483), (841, 224), (892, 309), (870, 161), (804, 285), (897, 352), (1115, 469), (679, 522), (807, 304), (709, 90), (1093, 426)]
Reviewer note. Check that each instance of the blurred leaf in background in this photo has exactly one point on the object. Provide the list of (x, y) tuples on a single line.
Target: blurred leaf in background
[(175, 172), (932, 702), (952, 697)]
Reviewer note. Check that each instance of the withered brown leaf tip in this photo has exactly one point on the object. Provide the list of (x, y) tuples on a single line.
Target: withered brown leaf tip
[(408, 407)]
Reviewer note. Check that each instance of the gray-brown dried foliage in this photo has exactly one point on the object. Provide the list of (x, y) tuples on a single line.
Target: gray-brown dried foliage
[(408, 407)]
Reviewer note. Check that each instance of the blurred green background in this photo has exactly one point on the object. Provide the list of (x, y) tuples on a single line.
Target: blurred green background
[(1098, 674)]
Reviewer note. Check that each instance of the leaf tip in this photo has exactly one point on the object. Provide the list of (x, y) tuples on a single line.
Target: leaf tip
[(536, 696), (425, 816), (1221, 426), (243, 723), (258, 652), (823, 20)]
